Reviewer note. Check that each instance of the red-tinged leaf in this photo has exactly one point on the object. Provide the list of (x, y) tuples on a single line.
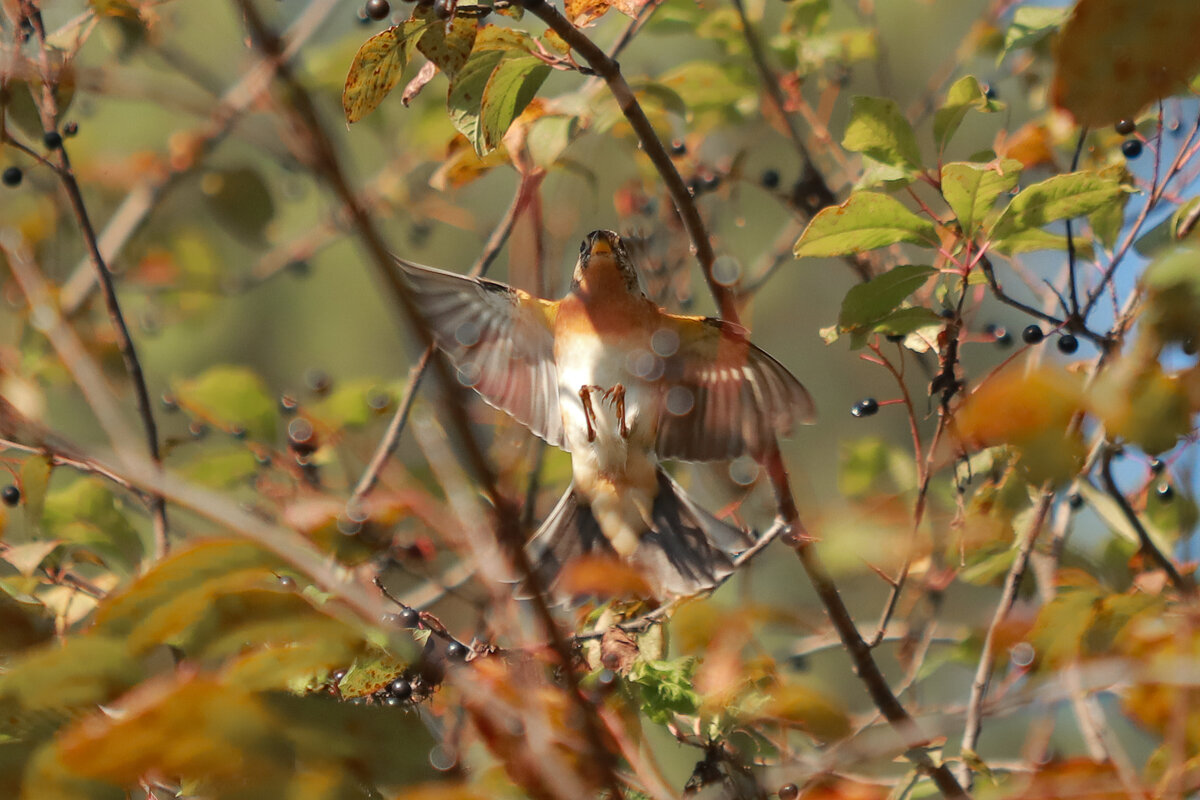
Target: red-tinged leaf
[(1115, 57), (608, 578)]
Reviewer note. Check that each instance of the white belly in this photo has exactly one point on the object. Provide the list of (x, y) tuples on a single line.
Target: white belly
[(588, 362)]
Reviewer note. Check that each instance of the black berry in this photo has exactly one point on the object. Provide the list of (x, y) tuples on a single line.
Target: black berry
[(1075, 500), (408, 618), (392, 701), (287, 581), (1067, 344), (378, 9), (400, 689), (1032, 335), (770, 179), (989, 91), (789, 791), (71, 128), (52, 140), (11, 495), (710, 182), (865, 407), (237, 432), (1157, 466), (12, 176), (1125, 127), (287, 404), (456, 651), (198, 429), (169, 402), (678, 147), (1165, 492), (1132, 148)]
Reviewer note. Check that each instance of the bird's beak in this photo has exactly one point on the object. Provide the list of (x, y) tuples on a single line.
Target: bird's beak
[(600, 247)]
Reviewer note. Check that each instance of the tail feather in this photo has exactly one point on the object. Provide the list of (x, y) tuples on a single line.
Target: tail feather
[(686, 552)]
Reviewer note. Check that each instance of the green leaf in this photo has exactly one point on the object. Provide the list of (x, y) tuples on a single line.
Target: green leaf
[(548, 137), (513, 84), (75, 673), (878, 129), (466, 96), (86, 514), (875, 174), (240, 200), (1108, 220), (1035, 239), (1030, 25), (222, 467), (347, 405), (377, 67), (867, 303), (1076, 194), (965, 95), (705, 85), (230, 397), (667, 687), (35, 477), (866, 221), (971, 189)]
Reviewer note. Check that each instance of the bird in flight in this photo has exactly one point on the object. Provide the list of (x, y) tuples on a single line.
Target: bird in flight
[(621, 384)]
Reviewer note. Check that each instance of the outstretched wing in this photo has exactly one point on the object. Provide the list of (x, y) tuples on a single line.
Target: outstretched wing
[(500, 340), (724, 397)]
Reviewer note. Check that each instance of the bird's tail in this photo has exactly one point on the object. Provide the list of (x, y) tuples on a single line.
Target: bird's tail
[(687, 551)]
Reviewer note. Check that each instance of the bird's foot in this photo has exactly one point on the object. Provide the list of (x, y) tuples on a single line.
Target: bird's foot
[(589, 414), (617, 396)]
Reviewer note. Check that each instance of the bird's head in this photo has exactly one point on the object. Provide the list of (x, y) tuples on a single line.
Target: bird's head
[(604, 265)]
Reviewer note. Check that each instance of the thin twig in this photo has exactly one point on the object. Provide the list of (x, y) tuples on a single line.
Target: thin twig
[(104, 278), (1182, 583), (325, 161), (148, 195), (610, 71), (391, 438), (987, 659)]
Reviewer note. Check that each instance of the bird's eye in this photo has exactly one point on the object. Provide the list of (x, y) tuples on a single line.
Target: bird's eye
[(583, 247)]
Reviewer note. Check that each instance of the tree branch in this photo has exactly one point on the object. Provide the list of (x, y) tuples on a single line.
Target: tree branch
[(325, 161), (610, 71)]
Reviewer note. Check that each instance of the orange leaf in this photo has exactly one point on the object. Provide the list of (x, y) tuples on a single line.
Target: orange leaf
[(1115, 57), (597, 576)]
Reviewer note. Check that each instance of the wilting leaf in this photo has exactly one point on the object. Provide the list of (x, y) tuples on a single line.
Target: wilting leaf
[(864, 222), (377, 68), (446, 43), (1115, 57)]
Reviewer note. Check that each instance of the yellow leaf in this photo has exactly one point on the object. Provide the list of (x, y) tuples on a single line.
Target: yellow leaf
[(446, 43), (1114, 57), (377, 68)]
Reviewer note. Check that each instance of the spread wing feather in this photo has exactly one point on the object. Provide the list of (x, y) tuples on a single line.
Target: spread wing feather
[(500, 340), (725, 397)]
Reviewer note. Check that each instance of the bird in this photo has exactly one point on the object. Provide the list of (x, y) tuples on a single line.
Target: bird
[(622, 385)]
